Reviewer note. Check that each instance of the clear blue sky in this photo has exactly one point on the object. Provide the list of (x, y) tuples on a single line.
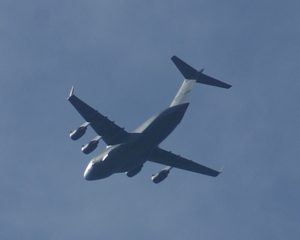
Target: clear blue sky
[(117, 54)]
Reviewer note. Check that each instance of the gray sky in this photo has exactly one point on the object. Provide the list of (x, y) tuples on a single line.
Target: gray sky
[(117, 54)]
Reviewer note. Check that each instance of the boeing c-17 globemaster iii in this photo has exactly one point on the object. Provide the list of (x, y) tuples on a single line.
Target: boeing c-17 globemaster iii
[(127, 152)]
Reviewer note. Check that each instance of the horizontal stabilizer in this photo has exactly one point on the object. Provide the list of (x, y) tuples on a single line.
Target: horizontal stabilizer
[(186, 70), (204, 79), (192, 74)]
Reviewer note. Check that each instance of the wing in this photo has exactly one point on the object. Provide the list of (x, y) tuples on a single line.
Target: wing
[(170, 159), (110, 132)]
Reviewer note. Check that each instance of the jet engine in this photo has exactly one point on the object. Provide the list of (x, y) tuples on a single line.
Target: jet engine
[(161, 175), (91, 146), (79, 132), (134, 172)]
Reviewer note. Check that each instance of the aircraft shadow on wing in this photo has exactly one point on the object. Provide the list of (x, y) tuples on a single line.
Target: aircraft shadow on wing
[(128, 151)]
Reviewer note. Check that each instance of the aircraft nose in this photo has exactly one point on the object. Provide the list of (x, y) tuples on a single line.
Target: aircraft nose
[(88, 175), (95, 171)]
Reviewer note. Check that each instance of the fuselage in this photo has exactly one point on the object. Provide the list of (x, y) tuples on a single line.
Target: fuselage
[(137, 148)]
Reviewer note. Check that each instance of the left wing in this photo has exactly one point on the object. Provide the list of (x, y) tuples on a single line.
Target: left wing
[(170, 159), (110, 132)]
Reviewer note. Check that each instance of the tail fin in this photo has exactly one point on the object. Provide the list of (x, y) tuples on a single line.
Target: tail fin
[(191, 76)]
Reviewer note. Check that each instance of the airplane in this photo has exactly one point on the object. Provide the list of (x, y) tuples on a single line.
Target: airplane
[(127, 152)]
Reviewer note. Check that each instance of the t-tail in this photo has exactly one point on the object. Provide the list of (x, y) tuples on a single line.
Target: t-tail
[(192, 76)]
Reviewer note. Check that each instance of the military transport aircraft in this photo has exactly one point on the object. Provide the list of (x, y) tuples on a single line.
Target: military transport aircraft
[(126, 152)]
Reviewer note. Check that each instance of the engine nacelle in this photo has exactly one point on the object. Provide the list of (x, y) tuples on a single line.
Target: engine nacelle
[(160, 176), (134, 172), (79, 132), (89, 147)]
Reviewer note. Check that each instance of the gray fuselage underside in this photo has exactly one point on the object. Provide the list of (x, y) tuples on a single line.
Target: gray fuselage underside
[(137, 148)]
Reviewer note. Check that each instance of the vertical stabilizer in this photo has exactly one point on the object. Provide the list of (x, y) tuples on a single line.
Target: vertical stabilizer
[(183, 92)]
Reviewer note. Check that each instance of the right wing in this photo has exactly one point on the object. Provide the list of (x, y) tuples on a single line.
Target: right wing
[(110, 132), (170, 159)]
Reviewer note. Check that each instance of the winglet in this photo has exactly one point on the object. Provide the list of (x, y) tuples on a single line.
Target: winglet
[(219, 172), (71, 92)]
